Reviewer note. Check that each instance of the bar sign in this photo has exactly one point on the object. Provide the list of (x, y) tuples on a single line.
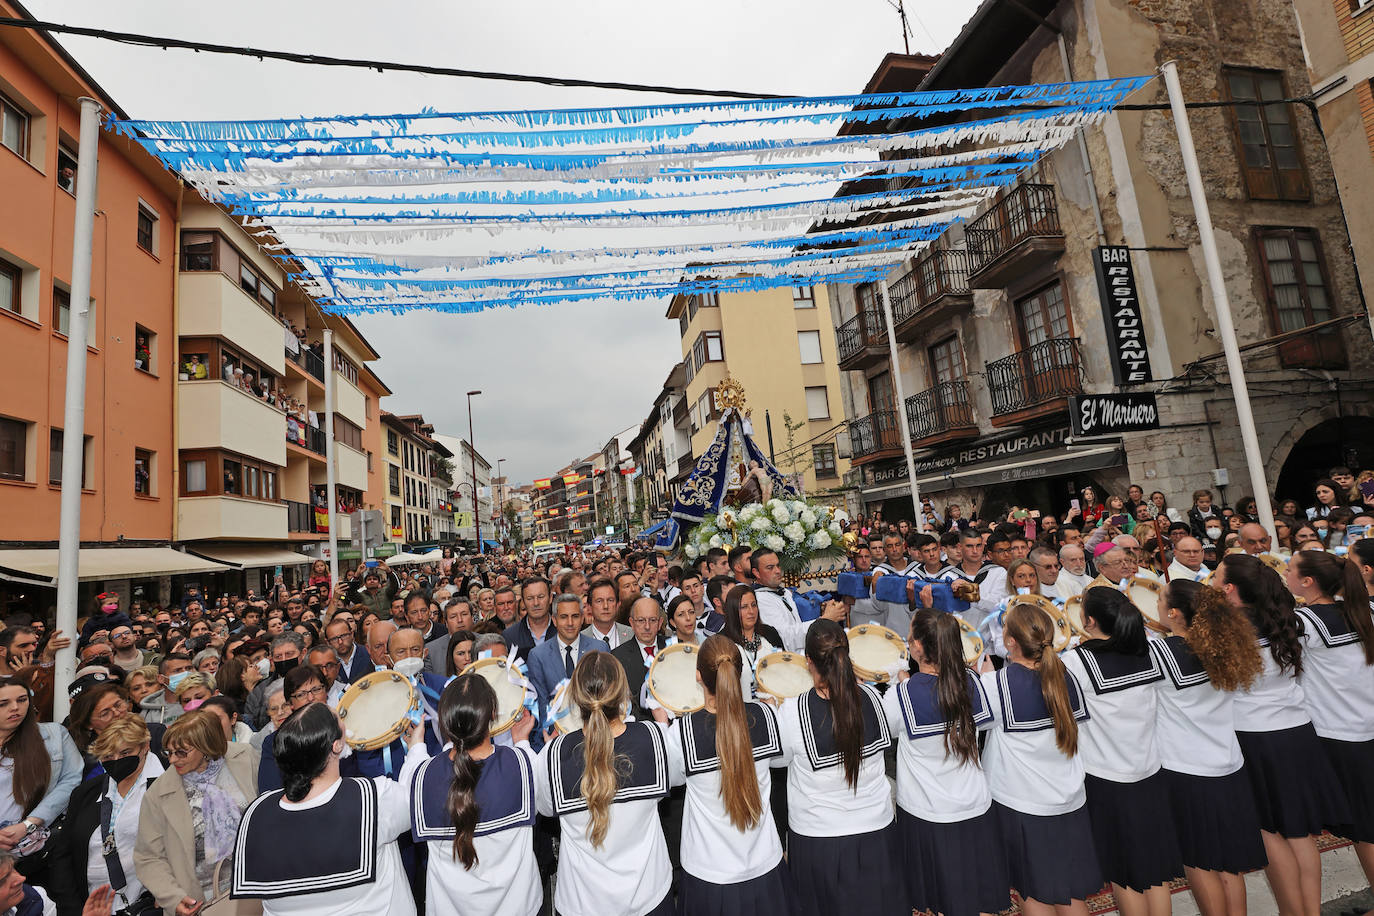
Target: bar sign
[(1121, 315)]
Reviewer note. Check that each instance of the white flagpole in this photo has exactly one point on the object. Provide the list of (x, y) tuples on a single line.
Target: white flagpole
[(331, 497), (903, 425), (74, 414), (1226, 328)]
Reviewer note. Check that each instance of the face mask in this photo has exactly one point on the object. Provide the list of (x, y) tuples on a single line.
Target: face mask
[(121, 768), (175, 680), (194, 704), (408, 667), (109, 608), (282, 668), (1214, 533), (264, 667)]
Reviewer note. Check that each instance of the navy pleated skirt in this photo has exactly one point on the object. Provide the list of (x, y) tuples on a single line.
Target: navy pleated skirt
[(1133, 831), (1353, 763), (1294, 785), (1050, 858), (770, 894), (860, 873), (663, 908), (955, 869), (1214, 817)]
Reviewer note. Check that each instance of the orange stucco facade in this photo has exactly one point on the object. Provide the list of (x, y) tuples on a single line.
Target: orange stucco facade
[(127, 408)]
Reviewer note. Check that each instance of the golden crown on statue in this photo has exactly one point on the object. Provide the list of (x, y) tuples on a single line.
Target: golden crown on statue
[(730, 393)]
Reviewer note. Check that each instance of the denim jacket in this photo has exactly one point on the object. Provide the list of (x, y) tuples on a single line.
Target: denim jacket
[(65, 771)]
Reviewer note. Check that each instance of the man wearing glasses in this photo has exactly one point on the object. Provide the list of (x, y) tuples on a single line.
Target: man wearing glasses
[(323, 657), (1046, 563), (636, 655), (354, 661)]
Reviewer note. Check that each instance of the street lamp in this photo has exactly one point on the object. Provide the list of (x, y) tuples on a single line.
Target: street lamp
[(472, 449), (500, 498)]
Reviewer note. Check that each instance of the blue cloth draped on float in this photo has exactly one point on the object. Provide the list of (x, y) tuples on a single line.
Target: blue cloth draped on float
[(717, 474), (465, 211)]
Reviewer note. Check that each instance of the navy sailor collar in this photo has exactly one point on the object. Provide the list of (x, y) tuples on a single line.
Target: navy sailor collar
[(1330, 624), (920, 704), (1023, 703), (644, 774), (1176, 658), (818, 736), (504, 795), (347, 860), (1109, 672), (699, 737)]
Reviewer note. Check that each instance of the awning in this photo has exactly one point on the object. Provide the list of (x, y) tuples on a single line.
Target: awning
[(490, 544), (248, 556), (404, 559), (1044, 464), (653, 529), (38, 566)]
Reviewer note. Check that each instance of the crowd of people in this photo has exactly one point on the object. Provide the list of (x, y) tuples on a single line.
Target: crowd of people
[(204, 768)]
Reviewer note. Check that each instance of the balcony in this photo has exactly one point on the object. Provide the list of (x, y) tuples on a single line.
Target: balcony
[(202, 518), (309, 360), (1034, 382), (861, 340), (941, 414), (680, 411), (1020, 232), (877, 435), (935, 289), (216, 415), (212, 305), (307, 437)]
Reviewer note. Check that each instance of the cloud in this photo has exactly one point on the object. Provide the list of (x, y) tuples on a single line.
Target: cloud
[(557, 382)]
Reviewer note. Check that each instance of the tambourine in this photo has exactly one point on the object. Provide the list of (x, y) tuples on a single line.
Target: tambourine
[(1144, 594), (377, 709), (873, 649), (1073, 610), (1063, 631), (973, 643), (566, 716), (510, 686), (673, 679), (783, 675), (1275, 562)]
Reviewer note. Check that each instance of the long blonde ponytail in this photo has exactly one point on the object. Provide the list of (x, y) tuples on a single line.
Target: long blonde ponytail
[(599, 689), (720, 664)]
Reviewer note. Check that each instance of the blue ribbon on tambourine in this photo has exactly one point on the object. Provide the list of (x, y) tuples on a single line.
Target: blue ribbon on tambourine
[(892, 588)]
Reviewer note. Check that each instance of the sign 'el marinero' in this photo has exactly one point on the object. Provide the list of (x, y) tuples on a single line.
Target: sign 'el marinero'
[(1121, 315)]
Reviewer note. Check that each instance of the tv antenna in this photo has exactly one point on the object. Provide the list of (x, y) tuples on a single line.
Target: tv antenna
[(906, 26)]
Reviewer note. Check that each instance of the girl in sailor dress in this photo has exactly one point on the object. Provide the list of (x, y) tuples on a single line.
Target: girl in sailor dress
[(474, 804), (604, 783), (731, 854), (279, 856), (1295, 789), (1132, 824), (841, 846), (1021, 580), (1338, 683), (1034, 772), (951, 847), (1209, 654)]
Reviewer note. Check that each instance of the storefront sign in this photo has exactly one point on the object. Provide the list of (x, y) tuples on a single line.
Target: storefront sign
[(1121, 314), (970, 455), (1109, 414)]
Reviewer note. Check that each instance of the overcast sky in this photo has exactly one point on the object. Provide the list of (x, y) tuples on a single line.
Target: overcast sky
[(557, 381)]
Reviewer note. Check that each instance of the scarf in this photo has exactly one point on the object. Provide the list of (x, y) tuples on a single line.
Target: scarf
[(219, 811)]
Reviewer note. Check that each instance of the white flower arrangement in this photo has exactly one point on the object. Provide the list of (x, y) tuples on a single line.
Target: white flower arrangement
[(716, 541), (808, 519), (794, 532), (761, 524), (819, 541), (801, 533), (774, 543), (781, 515)]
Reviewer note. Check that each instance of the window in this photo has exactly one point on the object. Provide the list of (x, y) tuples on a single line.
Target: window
[(1357, 5), (248, 279), (143, 472), (14, 127), (945, 362), (803, 297), (715, 346), (823, 460), (233, 477), (11, 281), (393, 475), (348, 433), (14, 448), (710, 300), (880, 392), (66, 169), (147, 229), (1295, 282), (699, 353), (817, 403), (61, 310), (252, 482), (145, 350), (1042, 316), (393, 443), (682, 322), (810, 344), (198, 251), (55, 458), (395, 516), (688, 368), (195, 476), (344, 366), (1270, 159)]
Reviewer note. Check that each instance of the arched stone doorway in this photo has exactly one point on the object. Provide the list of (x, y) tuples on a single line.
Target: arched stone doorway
[(1345, 440)]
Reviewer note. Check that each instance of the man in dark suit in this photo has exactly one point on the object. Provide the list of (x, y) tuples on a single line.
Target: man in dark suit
[(535, 627), (420, 616), (553, 660), (635, 655), (354, 661)]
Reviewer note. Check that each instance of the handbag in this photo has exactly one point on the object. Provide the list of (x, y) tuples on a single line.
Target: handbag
[(224, 905)]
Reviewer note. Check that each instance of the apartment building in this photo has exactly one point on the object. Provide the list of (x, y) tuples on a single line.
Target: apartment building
[(464, 485), (613, 498), (1002, 321), (1338, 41), (780, 345), (412, 453)]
